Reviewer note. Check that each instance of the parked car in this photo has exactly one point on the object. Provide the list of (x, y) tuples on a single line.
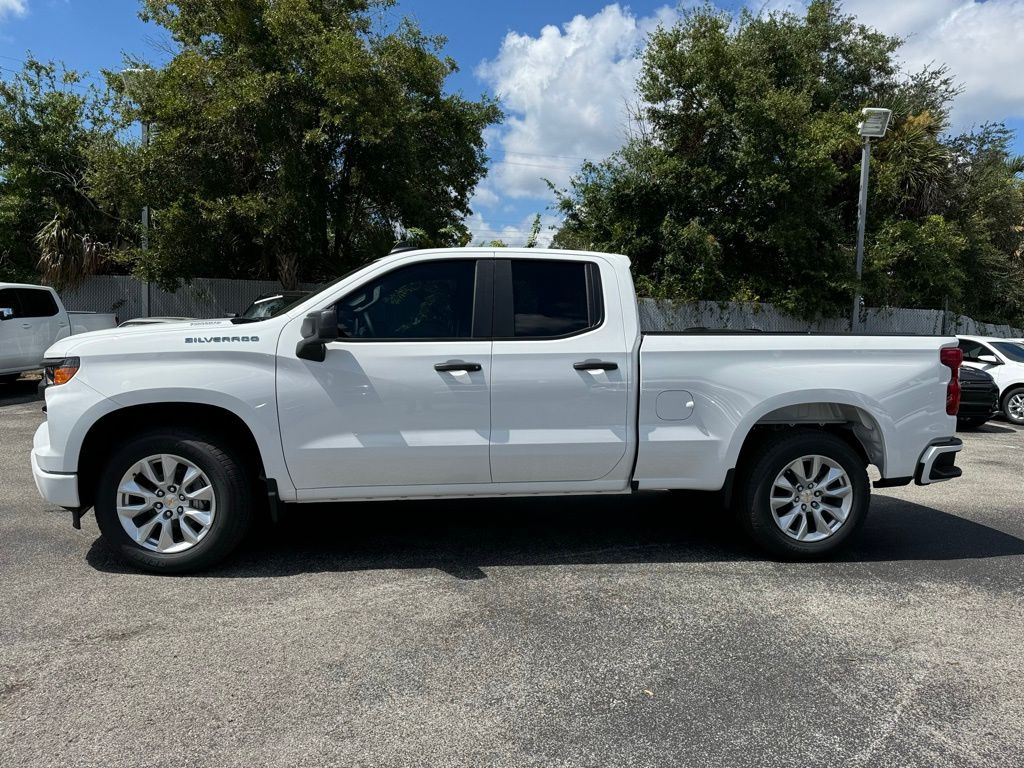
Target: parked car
[(979, 398), (154, 321), (1004, 361), (272, 304), (32, 318), (472, 373)]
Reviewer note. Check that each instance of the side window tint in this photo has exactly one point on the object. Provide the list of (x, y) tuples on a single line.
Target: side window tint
[(9, 300), (430, 300), (36, 303), (971, 349), (549, 298)]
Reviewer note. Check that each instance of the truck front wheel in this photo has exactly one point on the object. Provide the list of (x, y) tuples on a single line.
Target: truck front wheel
[(803, 494), (173, 501)]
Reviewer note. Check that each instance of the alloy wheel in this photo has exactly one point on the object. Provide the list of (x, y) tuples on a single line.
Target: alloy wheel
[(1015, 406), (165, 503), (811, 498)]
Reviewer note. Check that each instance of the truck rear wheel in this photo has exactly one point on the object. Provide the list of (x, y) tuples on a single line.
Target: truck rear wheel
[(803, 495), (173, 501)]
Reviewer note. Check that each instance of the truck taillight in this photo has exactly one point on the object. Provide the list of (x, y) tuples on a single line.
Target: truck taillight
[(952, 357)]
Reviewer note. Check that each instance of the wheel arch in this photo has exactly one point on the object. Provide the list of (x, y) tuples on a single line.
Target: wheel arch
[(107, 432), (851, 422)]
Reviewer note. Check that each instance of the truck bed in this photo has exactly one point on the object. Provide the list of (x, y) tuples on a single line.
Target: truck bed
[(691, 420)]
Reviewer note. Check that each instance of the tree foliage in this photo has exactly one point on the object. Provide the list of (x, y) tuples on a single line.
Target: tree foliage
[(296, 138), (50, 221), (742, 182), (288, 138)]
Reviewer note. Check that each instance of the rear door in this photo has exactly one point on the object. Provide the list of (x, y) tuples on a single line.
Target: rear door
[(14, 337), (559, 396)]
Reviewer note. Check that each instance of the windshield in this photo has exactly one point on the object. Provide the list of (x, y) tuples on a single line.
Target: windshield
[(278, 303), (1010, 350), (271, 306)]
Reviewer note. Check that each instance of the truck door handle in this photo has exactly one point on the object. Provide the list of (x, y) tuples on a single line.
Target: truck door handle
[(26, 325), (456, 366), (595, 365)]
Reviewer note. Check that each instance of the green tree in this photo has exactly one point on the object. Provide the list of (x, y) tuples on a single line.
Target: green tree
[(743, 181), (50, 222), (293, 139)]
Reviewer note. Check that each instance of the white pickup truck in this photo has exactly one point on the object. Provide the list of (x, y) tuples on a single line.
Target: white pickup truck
[(32, 317), (481, 372)]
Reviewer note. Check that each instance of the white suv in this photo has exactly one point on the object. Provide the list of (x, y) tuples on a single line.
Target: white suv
[(1003, 359)]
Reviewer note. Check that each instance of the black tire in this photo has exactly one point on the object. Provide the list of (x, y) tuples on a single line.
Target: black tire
[(9, 378), (754, 488), (971, 422), (227, 476), (1003, 402)]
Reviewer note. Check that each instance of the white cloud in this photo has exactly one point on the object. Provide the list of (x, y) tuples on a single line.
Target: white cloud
[(982, 43), (566, 92), (567, 89), (12, 8), (514, 233)]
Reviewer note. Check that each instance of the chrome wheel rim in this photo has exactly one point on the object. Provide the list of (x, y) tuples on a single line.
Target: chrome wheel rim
[(166, 503), (1015, 406), (811, 498)]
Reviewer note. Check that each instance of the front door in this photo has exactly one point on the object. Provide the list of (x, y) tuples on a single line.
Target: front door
[(14, 335), (403, 399), (559, 388)]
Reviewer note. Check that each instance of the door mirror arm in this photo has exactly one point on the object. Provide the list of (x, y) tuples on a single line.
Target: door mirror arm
[(318, 328)]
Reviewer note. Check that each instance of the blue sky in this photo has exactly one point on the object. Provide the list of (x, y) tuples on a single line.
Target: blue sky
[(564, 70)]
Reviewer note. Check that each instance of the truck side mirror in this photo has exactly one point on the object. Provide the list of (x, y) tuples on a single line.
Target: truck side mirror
[(990, 359), (6, 313), (318, 328)]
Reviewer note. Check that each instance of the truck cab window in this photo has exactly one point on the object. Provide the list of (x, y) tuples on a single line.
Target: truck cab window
[(36, 303), (9, 300), (429, 300), (550, 298)]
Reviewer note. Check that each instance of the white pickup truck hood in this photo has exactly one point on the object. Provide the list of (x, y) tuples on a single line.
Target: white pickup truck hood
[(65, 346)]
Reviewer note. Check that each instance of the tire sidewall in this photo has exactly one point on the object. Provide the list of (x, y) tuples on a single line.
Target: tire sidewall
[(1004, 405), (761, 521), (229, 493)]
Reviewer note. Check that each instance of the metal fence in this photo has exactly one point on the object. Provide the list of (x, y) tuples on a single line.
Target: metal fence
[(659, 315), (210, 297), (129, 297)]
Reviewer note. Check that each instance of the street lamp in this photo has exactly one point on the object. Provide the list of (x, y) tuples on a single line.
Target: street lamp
[(874, 123)]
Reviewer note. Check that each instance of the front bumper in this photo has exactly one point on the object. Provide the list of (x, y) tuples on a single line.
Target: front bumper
[(938, 462), (55, 487)]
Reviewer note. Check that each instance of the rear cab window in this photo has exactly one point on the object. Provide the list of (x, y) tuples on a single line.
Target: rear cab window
[(36, 302), (546, 298)]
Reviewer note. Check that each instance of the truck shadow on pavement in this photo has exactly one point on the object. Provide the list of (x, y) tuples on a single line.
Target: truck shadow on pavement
[(463, 537), (24, 390)]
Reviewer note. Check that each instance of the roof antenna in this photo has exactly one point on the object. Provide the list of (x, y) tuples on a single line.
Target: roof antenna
[(402, 245)]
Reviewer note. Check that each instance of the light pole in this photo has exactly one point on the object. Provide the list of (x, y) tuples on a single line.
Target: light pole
[(873, 126), (128, 76)]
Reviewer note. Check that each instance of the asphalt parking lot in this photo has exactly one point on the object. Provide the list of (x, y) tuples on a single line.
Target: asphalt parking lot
[(557, 632)]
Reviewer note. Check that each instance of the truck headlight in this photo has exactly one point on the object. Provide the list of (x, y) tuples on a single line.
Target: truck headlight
[(56, 372)]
